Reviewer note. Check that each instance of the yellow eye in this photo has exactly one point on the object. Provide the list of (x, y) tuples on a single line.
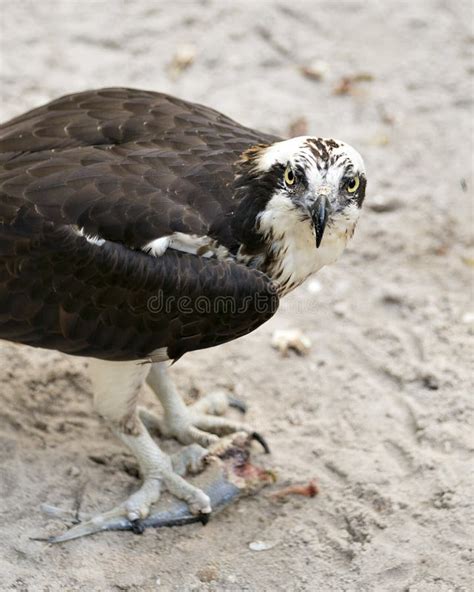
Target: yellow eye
[(353, 185), (289, 176)]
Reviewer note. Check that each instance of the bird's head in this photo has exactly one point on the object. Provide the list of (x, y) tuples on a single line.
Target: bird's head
[(319, 182)]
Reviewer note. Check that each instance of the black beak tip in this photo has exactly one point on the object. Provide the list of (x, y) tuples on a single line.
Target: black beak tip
[(320, 214)]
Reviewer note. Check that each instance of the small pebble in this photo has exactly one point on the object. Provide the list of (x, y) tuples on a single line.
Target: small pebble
[(316, 70), (182, 60), (260, 546), (285, 340)]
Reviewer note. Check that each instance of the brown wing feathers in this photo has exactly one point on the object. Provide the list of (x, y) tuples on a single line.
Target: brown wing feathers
[(114, 303), (128, 166), (108, 117)]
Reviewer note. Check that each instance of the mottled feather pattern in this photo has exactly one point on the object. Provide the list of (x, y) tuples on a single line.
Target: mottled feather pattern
[(61, 292), (129, 167)]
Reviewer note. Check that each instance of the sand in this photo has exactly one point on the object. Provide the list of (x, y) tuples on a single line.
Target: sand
[(379, 412)]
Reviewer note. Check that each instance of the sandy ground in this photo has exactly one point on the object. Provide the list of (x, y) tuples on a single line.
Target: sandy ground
[(379, 411)]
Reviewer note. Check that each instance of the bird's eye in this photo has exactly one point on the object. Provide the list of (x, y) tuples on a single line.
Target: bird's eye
[(289, 176), (353, 184)]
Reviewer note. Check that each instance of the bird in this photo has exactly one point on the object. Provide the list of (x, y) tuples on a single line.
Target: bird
[(136, 227)]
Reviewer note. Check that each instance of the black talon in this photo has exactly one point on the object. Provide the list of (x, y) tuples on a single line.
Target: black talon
[(261, 440), (204, 518), (237, 404), (137, 526)]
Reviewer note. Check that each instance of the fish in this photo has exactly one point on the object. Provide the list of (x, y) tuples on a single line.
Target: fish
[(228, 476)]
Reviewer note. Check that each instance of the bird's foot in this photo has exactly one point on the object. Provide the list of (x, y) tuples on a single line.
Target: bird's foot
[(130, 514), (201, 422), (229, 474)]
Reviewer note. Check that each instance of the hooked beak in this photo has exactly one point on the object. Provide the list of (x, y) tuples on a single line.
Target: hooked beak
[(319, 212)]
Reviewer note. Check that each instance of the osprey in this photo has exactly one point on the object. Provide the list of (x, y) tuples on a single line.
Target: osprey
[(136, 227)]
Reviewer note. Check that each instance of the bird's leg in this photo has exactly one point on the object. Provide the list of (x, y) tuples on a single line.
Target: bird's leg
[(194, 423), (116, 386)]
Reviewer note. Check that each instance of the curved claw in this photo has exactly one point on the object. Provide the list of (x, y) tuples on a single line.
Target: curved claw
[(237, 404), (261, 440), (137, 526)]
